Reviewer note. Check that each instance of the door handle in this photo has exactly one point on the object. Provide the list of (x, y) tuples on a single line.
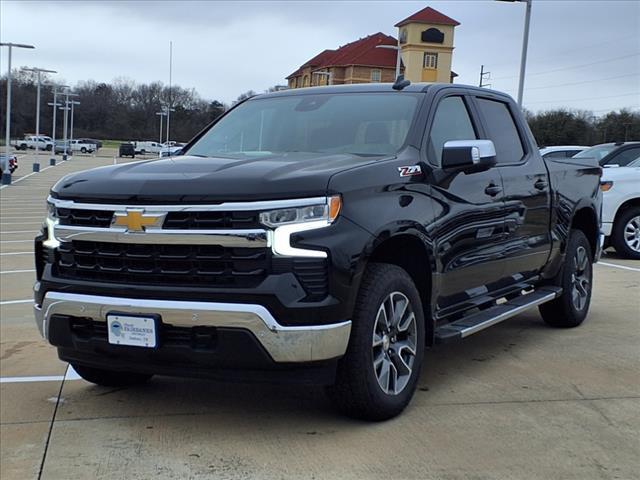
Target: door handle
[(492, 190), (541, 184)]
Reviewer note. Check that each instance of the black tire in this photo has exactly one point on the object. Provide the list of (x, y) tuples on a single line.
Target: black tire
[(143, 152), (357, 391), (111, 378), (576, 279), (83, 150), (628, 221)]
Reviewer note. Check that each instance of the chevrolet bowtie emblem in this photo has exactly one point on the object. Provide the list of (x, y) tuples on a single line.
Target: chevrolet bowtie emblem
[(137, 220)]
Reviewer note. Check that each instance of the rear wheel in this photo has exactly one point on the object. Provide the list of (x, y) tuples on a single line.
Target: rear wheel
[(83, 150), (576, 279), (111, 378), (626, 234), (378, 375)]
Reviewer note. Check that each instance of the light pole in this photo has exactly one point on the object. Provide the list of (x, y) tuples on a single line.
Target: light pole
[(168, 111), (10, 45), (38, 72), (161, 114), (55, 106), (398, 54), (66, 109), (525, 44), (73, 104)]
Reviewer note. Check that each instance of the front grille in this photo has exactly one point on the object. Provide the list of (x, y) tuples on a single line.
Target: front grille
[(180, 265), (211, 220), (199, 337), (84, 218)]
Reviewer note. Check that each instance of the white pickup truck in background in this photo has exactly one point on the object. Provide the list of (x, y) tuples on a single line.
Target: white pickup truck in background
[(142, 148), (82, 147), (31, 141)]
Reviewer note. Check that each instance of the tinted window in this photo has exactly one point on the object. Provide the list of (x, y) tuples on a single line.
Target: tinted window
[(451, 122), (502, 130), (625, 157), (597, 152), (361, 123), (556, 154)]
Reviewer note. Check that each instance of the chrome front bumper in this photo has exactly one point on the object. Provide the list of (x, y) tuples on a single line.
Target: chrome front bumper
[(283, 343)]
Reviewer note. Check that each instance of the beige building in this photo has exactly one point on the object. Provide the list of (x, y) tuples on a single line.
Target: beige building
[(426, 45)]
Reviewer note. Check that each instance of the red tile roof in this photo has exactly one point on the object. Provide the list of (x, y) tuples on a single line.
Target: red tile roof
[(360, 52), (429, 15)]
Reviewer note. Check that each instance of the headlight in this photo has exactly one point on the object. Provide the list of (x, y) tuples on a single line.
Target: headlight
[(312, 213), (287, 221), (51, 221), (52, 214)]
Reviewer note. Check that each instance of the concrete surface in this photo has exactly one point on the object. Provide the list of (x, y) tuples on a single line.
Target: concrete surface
[(518, 401)]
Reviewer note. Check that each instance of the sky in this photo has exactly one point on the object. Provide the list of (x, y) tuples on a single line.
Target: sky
[(582, 54)]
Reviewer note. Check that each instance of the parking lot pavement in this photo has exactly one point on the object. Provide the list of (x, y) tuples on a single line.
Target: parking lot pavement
[(518, 401)]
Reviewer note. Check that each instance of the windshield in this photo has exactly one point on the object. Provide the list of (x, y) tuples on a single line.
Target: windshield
[(361, 124), (597, 152)]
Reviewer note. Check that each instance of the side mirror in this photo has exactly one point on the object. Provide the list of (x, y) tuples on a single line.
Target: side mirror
[(472, 155)]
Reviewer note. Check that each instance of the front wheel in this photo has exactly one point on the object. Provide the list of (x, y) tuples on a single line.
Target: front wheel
[(110, 378), (378, 375), (576, 279), (83, 150), (626, 234)]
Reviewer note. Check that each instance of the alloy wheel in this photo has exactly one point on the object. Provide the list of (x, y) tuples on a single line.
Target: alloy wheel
[(394, 343), (580, 278), (631, 233)]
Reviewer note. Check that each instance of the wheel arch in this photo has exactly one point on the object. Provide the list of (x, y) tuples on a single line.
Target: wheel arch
[(409, 252), (624, 206), (585, 219)]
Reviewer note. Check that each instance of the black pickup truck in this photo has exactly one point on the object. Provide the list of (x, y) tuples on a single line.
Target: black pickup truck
[(322, 235)]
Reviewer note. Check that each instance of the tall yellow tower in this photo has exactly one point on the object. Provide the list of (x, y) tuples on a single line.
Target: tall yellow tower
[(426, 45)]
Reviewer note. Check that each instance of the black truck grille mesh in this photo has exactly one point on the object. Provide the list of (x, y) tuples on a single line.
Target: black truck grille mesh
[(211, 220), (84, 218), (175, 220), (180, 265)]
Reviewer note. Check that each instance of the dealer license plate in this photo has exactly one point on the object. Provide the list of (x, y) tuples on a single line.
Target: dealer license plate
[(133, 331)]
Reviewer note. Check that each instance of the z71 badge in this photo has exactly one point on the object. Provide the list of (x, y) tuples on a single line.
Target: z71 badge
[(410, 171)]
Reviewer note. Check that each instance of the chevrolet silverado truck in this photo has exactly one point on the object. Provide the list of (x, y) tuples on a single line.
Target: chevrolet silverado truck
[(324, 236)]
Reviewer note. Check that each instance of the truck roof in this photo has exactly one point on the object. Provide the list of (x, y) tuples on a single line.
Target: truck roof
[(373, 87)]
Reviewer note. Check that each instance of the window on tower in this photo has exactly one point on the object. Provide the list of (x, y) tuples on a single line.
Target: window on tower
[(430, 60)]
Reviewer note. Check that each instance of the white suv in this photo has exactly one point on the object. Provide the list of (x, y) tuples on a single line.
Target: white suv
[(621, 199)]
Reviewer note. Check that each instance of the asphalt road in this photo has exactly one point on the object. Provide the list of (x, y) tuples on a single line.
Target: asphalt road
[(518, 401)]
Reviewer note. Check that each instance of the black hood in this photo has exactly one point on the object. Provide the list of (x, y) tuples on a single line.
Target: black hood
[(199, 179)]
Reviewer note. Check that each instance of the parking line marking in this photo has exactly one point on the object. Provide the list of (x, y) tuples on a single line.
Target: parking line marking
[(26, 176), (16, 253), (15, 241), (19, 231), (44, 378), (7, 272), (623, 267), (15, 302), (19, 223), (70, 374)]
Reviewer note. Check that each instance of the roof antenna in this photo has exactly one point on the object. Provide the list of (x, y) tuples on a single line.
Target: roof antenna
[(400, 83)]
